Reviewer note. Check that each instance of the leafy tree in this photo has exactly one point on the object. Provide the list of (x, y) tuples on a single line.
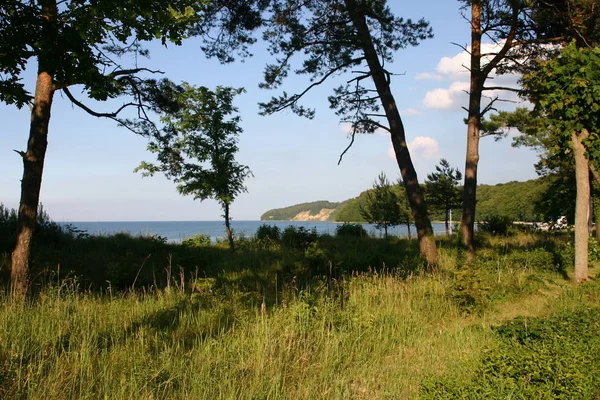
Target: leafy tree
[(198, 146), (79, 43), (382, 207), (442, 190), (566, 123), (339, 37), (523, 31)]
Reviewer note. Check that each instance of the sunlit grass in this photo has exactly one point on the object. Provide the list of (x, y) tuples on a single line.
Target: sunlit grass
[(254, 330)]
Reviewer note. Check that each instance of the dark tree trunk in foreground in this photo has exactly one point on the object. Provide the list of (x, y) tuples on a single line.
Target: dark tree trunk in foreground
[(473, 126), (33, 166), (407, 170), (228, 227), (33, 158), (582, 204)]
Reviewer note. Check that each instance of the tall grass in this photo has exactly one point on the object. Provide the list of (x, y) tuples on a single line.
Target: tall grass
[(370, 335), (374, 337), (316, 318)]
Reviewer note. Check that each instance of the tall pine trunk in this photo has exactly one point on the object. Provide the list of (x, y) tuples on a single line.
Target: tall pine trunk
[(33, 158), (473, 126), (582, 204), (416, 200)]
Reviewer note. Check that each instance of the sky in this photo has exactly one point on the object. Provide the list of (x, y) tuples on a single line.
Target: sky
[(88, 172)]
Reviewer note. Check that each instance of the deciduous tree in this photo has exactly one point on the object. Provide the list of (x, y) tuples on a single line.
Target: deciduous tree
[(76, 43), (566, 123), (198, 145)]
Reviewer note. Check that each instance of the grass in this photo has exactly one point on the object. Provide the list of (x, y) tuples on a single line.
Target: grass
[(335, 318)]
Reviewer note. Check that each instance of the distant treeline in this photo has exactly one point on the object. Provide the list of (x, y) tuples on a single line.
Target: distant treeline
[(521, 201)]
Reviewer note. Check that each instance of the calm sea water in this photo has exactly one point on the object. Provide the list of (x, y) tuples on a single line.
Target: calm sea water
[(176, 231)]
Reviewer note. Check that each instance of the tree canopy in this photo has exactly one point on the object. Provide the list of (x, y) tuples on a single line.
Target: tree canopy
[(198, 145)]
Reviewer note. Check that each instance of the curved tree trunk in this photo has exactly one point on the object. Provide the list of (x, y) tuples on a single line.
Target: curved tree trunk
[(582, 203), (33, 158), (416, 199), (473, 124)]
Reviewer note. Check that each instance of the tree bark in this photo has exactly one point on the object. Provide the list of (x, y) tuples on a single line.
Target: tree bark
[(33, 166), (473, 125), (228, 228), (33, 158), (416, 200), (582, 203)]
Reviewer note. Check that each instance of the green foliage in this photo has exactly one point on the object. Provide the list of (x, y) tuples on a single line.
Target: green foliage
[(85, 40), (521, 201), (350, 210), (496, 224), (442, 190), (382, 206), (536, 358), (593, 250), (568, 102), (266, 231), (198, 145), (298, 237), (199, 240), (288, 213), (350, 230)]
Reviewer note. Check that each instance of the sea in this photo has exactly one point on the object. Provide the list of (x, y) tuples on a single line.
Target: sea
[(177, 231)]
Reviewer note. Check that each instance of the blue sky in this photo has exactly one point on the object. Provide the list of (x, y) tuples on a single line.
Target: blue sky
[(89, 166)]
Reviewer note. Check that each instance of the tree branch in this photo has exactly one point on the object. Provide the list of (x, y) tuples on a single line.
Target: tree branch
[(516, 90)]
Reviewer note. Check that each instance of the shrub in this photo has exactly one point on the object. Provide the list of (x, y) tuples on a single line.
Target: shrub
[(299, 237), (549, 358), (497, 225), (350, 230), (271, 232), (198, 240)]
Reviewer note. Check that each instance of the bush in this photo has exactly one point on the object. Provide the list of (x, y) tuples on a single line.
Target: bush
[(199, 240), (299, 237), (350, 230), (271, 232), (497, 225), (550, 358)]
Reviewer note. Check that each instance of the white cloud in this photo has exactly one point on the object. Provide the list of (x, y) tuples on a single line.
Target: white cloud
[(454, 69), (426, 146), (445, 99)]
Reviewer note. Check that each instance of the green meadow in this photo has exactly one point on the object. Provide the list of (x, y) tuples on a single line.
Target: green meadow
[(300, 316)]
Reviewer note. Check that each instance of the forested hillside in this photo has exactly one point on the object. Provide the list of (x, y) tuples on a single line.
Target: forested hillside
[(517, 200), (289, 213)]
